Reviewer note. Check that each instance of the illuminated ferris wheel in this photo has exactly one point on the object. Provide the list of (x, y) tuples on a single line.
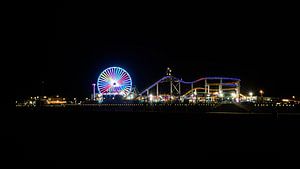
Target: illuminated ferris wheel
[(114, 81)]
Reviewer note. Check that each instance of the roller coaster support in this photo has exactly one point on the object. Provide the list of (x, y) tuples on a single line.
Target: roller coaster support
[(220, 86), (205, 86), (179, 89), (171, 89), (208, 89), (157, 91), (238, 90)]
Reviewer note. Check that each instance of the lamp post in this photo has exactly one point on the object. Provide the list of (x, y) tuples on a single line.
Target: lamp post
[(261, 94), (94, 91), (233, 97), (250, 94)]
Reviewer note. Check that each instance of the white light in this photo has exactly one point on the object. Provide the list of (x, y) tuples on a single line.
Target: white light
[(233, 95), (115, 83), (151, 97), (250, 94)]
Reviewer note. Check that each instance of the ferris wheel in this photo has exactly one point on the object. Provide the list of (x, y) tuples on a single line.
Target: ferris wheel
[(114, 81)]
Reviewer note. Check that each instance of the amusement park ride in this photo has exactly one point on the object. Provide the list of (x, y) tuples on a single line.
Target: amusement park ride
[(115, 83)]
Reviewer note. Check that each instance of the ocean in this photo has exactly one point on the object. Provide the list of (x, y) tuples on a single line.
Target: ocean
[(67, 139)]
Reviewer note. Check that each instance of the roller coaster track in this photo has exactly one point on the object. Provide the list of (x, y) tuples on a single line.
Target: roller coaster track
[(197, 88), (184, 82), (201, 88)]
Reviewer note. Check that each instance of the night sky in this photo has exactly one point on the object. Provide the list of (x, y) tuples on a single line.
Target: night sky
[(67, 45)]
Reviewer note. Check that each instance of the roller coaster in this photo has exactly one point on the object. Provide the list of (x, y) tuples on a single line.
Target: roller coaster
[(207, 89)]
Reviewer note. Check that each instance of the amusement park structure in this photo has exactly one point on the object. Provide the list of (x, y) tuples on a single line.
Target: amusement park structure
[(168, 94), (115, 81), (207, 89)]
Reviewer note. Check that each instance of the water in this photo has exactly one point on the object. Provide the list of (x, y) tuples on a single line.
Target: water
[(122, 139)]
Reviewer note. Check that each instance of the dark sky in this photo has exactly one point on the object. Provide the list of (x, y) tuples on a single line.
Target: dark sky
[(67, 45)]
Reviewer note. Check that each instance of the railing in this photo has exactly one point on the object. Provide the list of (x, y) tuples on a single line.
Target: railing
[(174, 107)]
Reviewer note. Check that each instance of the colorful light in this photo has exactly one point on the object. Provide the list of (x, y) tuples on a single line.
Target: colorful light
[(114, 81)]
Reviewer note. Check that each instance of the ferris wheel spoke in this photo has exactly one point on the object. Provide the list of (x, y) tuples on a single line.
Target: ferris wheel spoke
[(118, 72)]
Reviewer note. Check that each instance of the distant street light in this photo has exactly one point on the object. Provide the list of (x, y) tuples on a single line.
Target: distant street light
[(151, 97), (261, 95), (250, 94)]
